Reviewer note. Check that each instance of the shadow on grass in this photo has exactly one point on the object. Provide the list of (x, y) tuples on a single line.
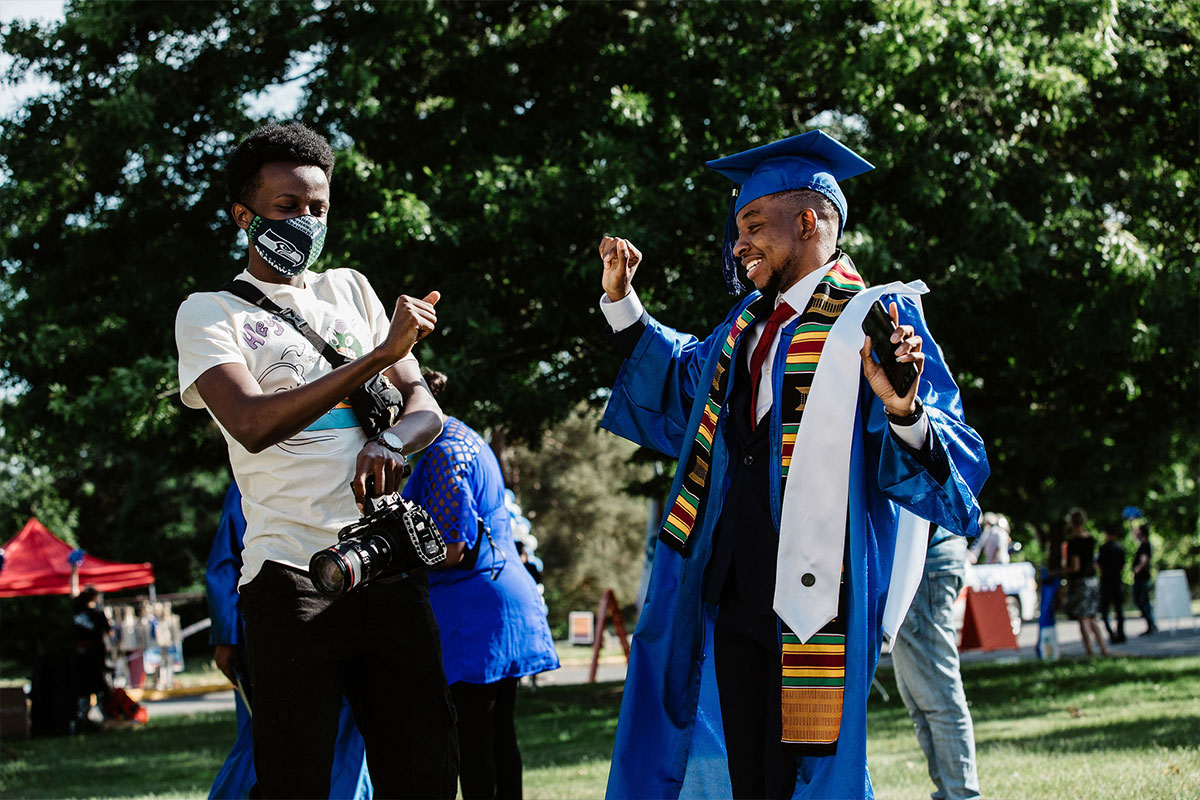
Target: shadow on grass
[(990, 684), (179, 754), (556, 726), (1128, 705), (1137, 734), (1089, 704), (564, 725), (998, 686)]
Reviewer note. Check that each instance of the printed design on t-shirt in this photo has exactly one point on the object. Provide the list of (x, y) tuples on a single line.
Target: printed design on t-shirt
[(344, 340), (342, 415), (254, 336), (288, 373)]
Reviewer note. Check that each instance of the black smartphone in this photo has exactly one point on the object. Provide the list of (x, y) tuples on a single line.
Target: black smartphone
[(878, 325)]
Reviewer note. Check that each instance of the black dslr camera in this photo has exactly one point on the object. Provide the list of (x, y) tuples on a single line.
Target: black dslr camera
[(396, 537)]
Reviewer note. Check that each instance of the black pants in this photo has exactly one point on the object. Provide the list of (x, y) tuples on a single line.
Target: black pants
[(487, 739), (1141, 599), (379, 646), (746, 648), (1113, 596)]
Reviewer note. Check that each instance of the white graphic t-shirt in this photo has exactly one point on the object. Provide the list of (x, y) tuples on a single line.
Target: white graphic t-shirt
[(295, 494)]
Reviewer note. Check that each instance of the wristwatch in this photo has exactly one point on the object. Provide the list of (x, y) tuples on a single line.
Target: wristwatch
[(908, 420), (391, 441)]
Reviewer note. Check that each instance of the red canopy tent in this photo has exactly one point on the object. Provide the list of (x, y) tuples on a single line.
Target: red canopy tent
[(36, 562)]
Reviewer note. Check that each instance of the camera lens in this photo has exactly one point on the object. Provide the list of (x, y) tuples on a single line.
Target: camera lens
[(359, 557), (329, 572)]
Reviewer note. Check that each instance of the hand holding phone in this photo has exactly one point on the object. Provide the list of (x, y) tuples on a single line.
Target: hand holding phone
[(879, 327)]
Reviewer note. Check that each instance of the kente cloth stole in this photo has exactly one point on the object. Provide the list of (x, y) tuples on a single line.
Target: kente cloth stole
[(692, 491), (813, 684), (814, 672), (836, 288)]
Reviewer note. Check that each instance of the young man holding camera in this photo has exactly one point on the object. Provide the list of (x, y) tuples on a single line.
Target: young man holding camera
[(306, 468)]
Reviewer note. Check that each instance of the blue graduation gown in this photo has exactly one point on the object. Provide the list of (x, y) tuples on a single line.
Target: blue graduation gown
[(349, 777), (669, 737)]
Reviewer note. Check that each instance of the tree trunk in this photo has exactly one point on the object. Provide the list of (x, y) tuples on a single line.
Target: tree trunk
[(499, 444)]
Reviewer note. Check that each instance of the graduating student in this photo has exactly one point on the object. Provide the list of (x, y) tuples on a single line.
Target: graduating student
[(800, 468)]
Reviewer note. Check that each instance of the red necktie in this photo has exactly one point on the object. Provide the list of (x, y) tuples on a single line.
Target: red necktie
[(781, 314)]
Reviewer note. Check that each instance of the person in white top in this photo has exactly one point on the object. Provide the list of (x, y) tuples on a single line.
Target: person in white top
[(992, 545), (305, 467)]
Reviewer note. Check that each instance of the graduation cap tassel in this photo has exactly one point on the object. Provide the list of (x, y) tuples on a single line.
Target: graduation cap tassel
[(729, 264)]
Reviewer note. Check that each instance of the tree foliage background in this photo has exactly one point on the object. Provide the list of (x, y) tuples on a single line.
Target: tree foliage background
[(1037, 167), (591, 533)]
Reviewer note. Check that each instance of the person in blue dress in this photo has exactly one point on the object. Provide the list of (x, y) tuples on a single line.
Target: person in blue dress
[(493, 626), (349, 777)]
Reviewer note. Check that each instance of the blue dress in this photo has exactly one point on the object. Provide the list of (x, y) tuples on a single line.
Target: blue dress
[(349, 777), (670, 741), (490, 616)]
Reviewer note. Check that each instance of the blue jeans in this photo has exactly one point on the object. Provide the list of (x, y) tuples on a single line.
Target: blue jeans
[(925, 659), (1141, 599)]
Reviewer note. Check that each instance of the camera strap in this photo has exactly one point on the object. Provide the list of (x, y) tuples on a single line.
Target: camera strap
[(471, 557), (252, 294)]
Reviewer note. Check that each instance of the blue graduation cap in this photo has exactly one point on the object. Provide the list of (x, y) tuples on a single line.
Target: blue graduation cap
[(812, 160)]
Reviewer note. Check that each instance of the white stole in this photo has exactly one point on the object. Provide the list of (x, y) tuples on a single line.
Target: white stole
[(812, 525)]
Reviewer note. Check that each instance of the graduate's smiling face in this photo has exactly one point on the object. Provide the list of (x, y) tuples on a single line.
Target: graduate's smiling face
[(771, 241)]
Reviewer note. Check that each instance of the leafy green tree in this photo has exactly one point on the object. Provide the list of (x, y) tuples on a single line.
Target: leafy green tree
[(1037, 167), (1039, 173), (112, 214), (590, 533)]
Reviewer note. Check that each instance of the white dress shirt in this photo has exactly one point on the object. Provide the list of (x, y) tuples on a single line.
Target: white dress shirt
[(628, 310)]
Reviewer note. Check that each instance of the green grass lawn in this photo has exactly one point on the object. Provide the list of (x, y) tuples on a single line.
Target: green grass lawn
[(1078, 728), (1122, 727)]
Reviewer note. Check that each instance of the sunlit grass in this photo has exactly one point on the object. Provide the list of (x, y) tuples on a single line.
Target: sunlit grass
[(1077, 728)]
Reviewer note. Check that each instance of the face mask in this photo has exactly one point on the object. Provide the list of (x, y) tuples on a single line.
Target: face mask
[(290, 246)]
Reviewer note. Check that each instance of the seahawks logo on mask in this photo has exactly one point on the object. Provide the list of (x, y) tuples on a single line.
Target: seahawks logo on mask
[(289, 246), (280, 246)]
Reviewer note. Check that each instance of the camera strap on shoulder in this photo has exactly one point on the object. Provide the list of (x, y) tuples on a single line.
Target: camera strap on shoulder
[(377, 403), (252, 294)]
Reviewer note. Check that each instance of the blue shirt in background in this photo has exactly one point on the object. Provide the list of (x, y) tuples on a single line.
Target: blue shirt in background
[(491, 618)]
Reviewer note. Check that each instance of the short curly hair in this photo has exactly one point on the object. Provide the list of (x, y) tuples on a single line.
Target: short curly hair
[(293, 142), (804, 198)]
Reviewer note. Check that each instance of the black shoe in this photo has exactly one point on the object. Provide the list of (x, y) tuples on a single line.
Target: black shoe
[(1148, 632), (1119, 639)]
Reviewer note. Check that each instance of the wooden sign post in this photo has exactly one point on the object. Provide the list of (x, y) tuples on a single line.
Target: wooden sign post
[(609, 608)]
